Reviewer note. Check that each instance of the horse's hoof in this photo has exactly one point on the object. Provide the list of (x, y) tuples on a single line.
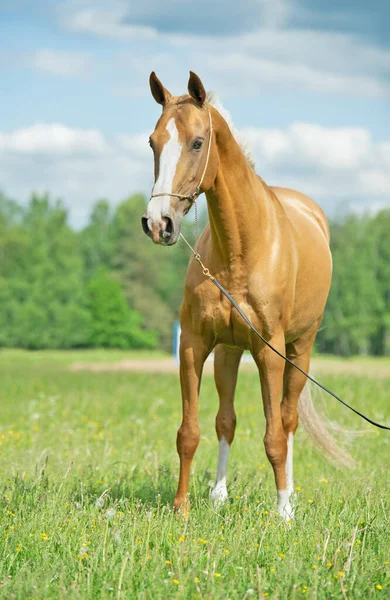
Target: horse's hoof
[(219, 495), (286, 512), (182, 506)]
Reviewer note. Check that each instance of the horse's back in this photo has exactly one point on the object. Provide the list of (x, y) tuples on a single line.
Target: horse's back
[(313, 260), (298, 206)]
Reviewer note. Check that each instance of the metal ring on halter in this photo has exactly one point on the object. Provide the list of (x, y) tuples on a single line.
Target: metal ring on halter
[(192, 197)]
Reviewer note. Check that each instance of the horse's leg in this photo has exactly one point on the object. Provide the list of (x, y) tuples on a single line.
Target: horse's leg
[(193, 353), (271, 369), (226, 363), (294, 381)]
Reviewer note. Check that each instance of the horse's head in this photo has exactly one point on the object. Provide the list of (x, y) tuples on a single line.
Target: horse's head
[(185, 158)]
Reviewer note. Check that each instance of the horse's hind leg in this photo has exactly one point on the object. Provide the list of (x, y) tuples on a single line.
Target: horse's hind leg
[(294, 381), (271, 369), (226, 363)]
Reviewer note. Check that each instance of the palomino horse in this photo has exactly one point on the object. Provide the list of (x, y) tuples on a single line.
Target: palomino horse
[(269, 247)]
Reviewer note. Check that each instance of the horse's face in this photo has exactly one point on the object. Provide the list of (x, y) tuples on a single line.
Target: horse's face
[(180, 144)]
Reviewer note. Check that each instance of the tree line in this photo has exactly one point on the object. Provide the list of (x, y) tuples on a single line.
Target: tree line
[(108, 286)]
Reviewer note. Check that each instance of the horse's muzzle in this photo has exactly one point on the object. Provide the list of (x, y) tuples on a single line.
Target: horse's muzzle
[(161, 232)]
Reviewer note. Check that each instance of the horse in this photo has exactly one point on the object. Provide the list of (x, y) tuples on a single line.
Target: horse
[(269, 246)]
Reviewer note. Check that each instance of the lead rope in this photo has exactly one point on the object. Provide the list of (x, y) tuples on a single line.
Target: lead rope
[(207, 273), (196, 224)]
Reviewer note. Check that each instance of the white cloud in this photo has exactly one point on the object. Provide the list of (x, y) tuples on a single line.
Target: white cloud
[(137, 19), (80, 166), (252, 75), (329, 164), (63, 63), (51, 139), (263, 49), (103, 22), (76, 165)]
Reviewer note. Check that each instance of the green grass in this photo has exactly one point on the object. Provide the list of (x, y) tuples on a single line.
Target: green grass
[(88, 470)]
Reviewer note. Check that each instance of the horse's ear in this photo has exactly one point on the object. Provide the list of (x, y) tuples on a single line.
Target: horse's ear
[(159, 92), (196, 89)]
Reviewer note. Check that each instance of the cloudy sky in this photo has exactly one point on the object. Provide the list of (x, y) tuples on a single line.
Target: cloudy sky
[(307, 82)]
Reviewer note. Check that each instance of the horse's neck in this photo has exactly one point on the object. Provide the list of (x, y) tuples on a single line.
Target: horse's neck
[(238, 203)]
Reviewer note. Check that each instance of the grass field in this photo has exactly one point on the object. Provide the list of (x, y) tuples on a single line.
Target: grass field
[(88, 471)]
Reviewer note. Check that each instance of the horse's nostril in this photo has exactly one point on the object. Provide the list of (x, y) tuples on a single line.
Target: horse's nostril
[(159, 230), (168, 230), (144, 222)]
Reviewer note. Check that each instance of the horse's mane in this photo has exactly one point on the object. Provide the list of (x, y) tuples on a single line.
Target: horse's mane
[(214, 100)]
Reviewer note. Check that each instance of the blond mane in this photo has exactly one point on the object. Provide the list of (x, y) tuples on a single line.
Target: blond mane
[(214, 100)]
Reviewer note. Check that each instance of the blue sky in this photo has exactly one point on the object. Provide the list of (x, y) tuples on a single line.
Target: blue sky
[(308, 83)]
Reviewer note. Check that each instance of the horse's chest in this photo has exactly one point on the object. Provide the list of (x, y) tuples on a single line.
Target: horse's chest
[(214, 316)]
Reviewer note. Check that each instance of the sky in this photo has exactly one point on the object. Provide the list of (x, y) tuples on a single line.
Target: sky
[(307, 84)]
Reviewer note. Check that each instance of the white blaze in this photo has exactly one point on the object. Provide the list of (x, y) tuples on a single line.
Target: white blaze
[(169, 158)]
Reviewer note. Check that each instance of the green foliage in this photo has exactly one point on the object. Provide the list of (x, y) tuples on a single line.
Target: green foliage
[(48, 273), (358, 310), (152, 275), (42, 292), (114, 324)]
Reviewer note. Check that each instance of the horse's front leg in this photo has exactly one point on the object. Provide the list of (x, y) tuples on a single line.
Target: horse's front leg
[(271, 369), (193, 353)]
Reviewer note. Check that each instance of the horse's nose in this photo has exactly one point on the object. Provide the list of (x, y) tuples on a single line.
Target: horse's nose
[(160, 231)]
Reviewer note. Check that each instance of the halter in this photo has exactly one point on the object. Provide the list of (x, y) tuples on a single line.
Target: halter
[(192, 197)]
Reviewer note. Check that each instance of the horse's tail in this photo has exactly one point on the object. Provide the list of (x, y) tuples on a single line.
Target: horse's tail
[(317, 427)]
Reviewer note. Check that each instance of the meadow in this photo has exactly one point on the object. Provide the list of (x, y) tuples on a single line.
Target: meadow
[(88, 469)]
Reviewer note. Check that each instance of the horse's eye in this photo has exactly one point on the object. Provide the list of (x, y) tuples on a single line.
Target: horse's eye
[(150, 142), (197, 144)]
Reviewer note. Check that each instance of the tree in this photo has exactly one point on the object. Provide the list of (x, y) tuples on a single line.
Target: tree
[(152, 275), (42, 292), (114, 324), (96, 239)]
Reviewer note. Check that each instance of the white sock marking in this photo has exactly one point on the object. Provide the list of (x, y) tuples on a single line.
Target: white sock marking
[(219, 493), (290, 464), (170, 155), (286, 497), (285, 509)]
